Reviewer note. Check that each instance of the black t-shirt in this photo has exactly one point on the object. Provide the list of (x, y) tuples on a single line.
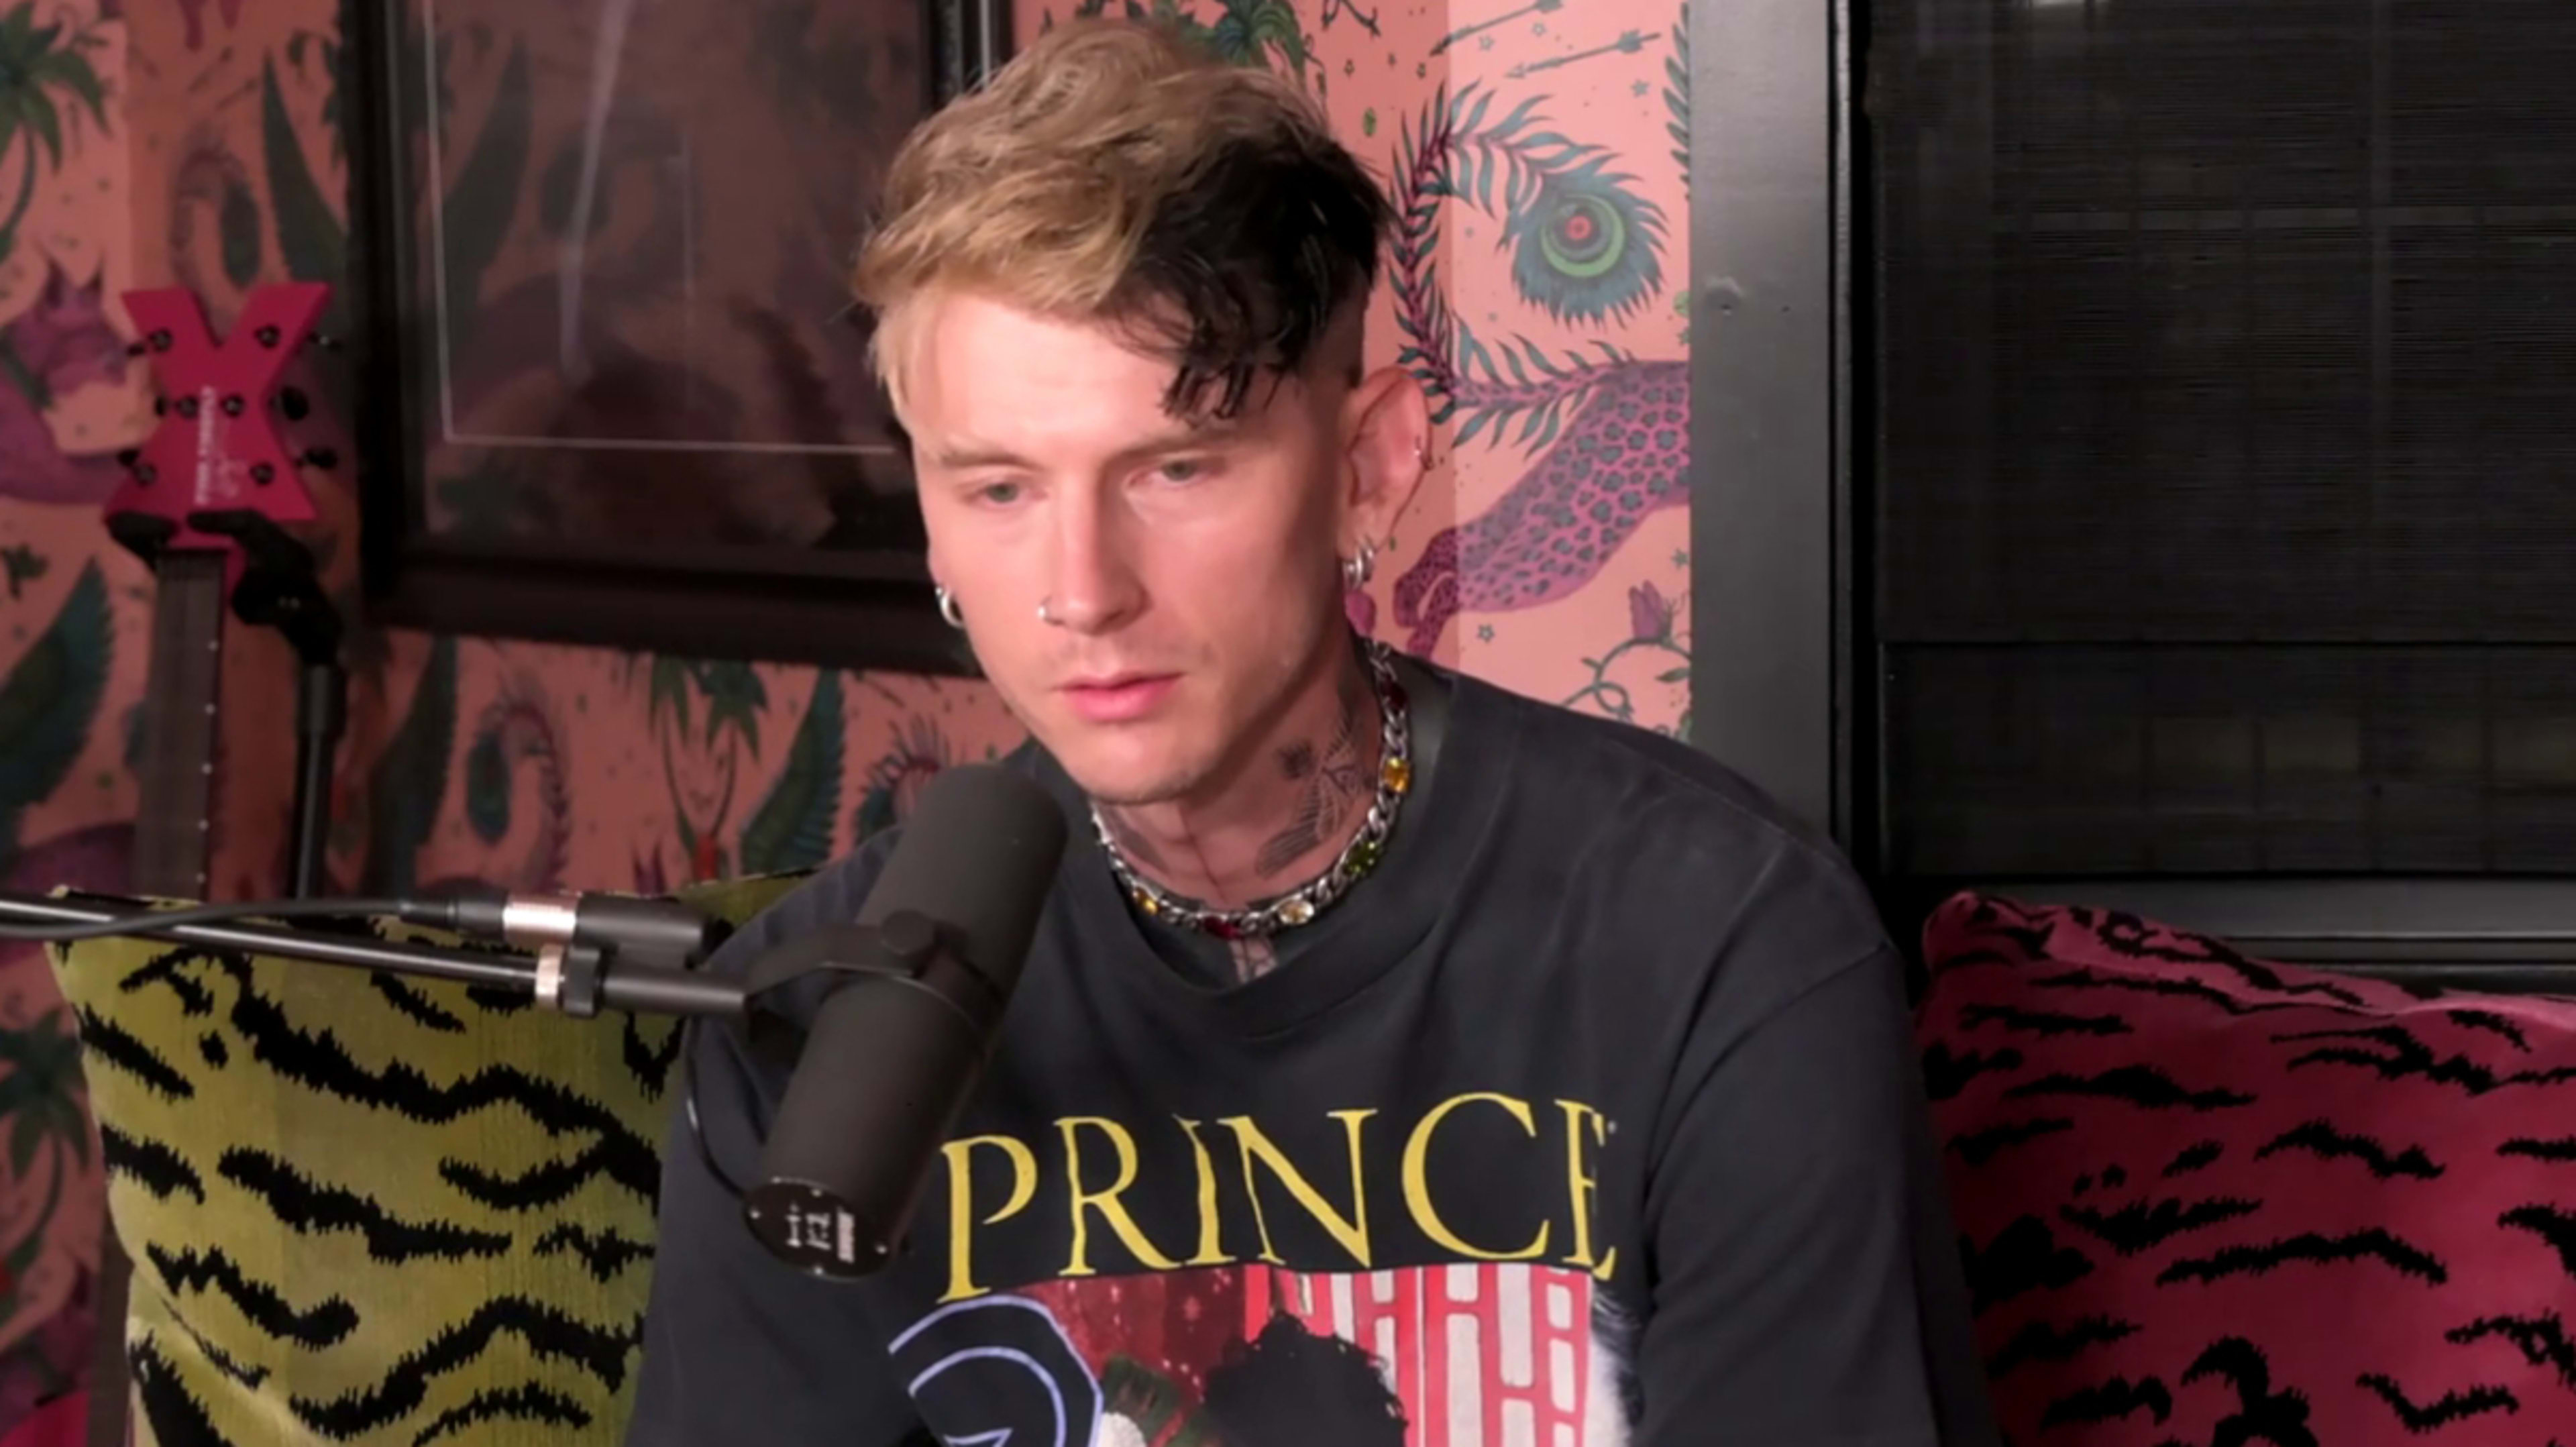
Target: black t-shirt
[(1589, 1118)]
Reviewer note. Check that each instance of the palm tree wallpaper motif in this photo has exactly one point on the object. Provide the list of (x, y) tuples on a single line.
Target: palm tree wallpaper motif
[(43, 68), (49, 707), (66, 688), (55, 157)]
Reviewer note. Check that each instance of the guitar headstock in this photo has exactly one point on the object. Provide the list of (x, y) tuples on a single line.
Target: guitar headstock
[(217, 448)]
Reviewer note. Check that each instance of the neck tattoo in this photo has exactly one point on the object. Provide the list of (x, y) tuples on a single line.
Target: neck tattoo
[(1358, 858)]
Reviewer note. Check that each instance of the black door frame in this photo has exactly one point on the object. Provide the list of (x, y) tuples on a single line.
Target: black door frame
[(1771, 400)]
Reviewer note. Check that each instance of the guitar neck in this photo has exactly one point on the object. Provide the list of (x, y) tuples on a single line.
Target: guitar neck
[(177, 770)]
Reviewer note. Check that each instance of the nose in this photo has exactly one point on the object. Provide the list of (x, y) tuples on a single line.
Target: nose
[(1096, 587)]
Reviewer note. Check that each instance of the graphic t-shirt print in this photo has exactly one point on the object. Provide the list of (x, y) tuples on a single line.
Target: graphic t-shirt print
[(1503, 1353), (1286, 1319)]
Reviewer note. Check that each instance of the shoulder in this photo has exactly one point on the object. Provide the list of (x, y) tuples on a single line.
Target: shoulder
[(1648, 827), (1591, 752), (831, 894), (1604, 783)]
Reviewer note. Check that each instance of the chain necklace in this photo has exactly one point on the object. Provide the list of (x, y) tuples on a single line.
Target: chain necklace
[(1357, 859)]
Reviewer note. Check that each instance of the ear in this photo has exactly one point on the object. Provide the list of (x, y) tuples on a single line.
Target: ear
[(1387, 422)]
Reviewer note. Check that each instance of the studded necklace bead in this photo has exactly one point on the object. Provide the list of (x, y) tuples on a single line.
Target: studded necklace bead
[(1302, 904)]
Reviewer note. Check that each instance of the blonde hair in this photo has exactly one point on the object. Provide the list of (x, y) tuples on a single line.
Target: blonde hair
[(1112, 171)]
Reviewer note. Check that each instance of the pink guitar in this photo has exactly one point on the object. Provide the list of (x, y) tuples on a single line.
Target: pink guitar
[(206, 505)]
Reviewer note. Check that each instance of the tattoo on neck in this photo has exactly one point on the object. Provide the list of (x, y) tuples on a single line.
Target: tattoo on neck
[(1253, 958), (1329, 789), (1131, 840)]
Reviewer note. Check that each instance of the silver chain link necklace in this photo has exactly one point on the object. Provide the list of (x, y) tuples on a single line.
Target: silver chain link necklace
[(1302, 904)]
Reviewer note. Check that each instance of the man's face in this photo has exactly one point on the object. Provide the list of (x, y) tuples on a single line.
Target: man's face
[(1190, 568)]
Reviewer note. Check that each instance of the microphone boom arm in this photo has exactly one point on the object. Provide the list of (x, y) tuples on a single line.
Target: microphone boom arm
[(817, 1207), (573, 975)]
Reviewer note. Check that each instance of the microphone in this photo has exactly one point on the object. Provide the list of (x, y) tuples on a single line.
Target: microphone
[(895, 1050)]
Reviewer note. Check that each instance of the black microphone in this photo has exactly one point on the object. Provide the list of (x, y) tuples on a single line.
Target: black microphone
[(896, 1048)]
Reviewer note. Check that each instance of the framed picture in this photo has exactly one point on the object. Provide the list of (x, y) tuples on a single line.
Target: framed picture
[(613, 390)]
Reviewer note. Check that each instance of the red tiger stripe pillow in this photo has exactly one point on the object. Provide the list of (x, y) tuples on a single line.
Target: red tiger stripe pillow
[(2204, 1199)]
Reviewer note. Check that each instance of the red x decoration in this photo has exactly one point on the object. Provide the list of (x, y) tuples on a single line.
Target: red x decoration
[(216, 446)]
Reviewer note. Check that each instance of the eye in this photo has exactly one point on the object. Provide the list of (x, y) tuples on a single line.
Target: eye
[(1182, 469), (996, 494)]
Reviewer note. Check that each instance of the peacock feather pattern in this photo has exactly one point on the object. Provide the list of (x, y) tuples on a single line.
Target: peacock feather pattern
[(406, 784), (1611, 432), (518, 728), (919, 751), (1677, 95)]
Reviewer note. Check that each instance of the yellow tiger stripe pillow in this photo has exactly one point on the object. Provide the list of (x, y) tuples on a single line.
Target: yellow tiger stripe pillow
[(365, 1208)]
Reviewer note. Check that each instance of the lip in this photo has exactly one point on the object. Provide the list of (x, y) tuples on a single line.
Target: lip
[(1119, 697)]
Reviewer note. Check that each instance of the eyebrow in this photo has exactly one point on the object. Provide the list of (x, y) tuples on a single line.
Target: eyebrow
[(969, 455), (963, 455)]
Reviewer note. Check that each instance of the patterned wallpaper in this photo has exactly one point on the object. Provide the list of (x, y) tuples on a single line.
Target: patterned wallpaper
[(1534, 150)]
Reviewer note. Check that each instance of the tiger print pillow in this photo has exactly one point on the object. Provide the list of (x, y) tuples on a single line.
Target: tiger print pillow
[(365, 1208), (2205, 1199)]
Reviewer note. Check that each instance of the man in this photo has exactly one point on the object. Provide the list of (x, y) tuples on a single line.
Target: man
[(1533, 1058)]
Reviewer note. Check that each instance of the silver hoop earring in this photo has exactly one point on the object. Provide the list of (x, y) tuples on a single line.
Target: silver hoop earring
[(949, 613), (1046, 610), (1360, 565)]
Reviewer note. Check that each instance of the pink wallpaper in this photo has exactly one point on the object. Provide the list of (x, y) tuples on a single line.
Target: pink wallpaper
[(1539, 290), (72, 621)]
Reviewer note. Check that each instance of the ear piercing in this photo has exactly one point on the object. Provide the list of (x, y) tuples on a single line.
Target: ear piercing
[(1357, 568)]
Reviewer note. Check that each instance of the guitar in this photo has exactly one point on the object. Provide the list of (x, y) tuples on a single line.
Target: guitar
[(206, 505)]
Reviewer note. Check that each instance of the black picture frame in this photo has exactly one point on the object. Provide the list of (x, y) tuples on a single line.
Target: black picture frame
[(865, 602)]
